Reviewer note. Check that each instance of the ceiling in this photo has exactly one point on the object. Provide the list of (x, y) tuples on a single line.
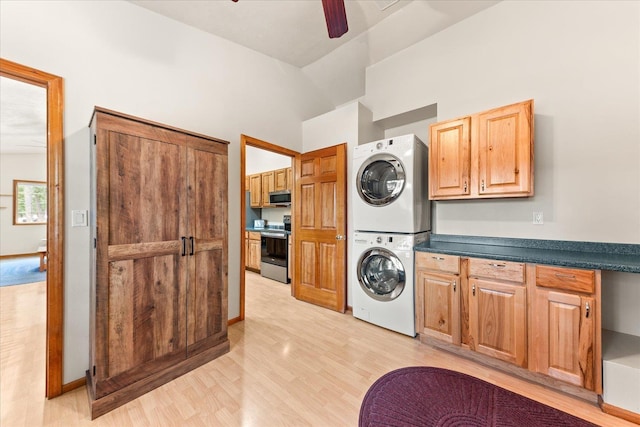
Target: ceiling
[(295, 32), (23, 117)]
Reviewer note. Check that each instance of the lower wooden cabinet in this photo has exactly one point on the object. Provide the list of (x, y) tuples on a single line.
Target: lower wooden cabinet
[(498, 319), (254, 254), (566, 326), (544, 319), (438, 290)]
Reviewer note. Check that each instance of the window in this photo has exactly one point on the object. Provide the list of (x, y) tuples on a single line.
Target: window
[(29, 202)]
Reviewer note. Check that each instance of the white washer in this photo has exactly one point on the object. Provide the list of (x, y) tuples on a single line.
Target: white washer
[(383, 279), (391, 186)]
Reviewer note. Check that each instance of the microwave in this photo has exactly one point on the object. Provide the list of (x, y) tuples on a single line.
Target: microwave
[(280, 198)]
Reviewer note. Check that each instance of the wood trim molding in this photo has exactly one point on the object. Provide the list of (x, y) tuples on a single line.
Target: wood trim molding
[(55, 211), (264, 145), (80, 382)]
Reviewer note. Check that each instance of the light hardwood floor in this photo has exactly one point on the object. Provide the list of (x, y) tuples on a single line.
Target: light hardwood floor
[(290, 364)]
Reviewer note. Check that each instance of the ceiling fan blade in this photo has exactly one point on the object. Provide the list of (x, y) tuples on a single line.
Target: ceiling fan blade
[(336, 17)]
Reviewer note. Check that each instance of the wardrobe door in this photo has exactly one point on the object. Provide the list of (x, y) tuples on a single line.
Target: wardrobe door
[(207, 213), (141, 292)]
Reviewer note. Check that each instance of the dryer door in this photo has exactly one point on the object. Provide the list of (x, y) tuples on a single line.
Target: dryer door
[(380, 180), (381, 274)]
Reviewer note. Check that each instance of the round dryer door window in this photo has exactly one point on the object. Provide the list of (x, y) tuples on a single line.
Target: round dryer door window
[(381, 274), (380, 179)]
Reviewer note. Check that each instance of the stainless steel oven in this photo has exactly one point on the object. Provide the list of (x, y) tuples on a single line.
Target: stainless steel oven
[(275, 245)]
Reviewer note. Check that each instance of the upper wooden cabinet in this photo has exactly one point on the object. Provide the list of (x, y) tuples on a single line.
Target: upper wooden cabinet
[(261, 184), (255, 189), (489, 154)]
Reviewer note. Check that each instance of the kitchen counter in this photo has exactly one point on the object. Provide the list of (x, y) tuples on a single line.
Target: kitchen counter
[(589, 255), (259, 230)]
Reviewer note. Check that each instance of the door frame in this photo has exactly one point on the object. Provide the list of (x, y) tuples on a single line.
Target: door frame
[(264, 145), (55, 216)]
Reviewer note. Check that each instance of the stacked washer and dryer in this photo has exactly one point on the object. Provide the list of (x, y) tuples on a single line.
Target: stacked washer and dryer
[(391, 214)]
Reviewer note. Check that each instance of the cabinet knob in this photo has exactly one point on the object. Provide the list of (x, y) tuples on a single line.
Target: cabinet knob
[(473, 289), (483, 185), (465, 186), (454, 285), (588, 310)]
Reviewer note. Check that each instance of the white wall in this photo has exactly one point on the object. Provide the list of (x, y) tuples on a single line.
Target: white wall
[(19, 239), (580, 61), (258, 160), (122, 57)]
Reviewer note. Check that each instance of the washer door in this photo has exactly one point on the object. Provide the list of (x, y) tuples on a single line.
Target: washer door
[(381, 274), (380, 179)]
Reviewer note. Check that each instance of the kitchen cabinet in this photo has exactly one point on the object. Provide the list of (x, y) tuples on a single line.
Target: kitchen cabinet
[(255, 189), (280, 180), (261, 184), (158, 281), (485, 155), (498, 310), (566, 325), (268, 185), (438, 290), (254, 248)]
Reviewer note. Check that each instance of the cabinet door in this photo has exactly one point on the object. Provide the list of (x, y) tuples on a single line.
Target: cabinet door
[(450, 159), (289, 179), (497, 320), (438, 306), (207, 245), (254, 254), (564, 337), (140, 296), (268, 185), (280, 179), (505, 144), (255, 188)]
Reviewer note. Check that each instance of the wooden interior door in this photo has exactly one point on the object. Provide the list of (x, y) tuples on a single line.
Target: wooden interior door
[(320, 228), (207, 241), (141, 216)]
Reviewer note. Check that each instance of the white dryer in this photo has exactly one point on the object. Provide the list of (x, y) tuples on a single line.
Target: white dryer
[(383, 283), (391, 189)]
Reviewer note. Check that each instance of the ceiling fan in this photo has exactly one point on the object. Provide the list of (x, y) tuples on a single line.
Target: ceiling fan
[(336, 17)]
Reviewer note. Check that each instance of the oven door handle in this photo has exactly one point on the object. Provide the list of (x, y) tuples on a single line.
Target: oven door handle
[(274, 235)]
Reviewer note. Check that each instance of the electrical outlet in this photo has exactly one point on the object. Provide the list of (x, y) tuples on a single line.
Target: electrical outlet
[(538, 218)]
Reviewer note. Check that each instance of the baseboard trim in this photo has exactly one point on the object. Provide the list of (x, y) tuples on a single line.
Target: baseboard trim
[(616, 411), (80, 382), (233, 321), (19, 255)]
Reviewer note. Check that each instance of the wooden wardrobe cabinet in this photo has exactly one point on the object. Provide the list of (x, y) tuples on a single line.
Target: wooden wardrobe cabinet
[(159, 263), (485, 155)]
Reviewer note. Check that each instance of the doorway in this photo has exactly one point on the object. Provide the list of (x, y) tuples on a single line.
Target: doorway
[(55, 216), (267, 146)]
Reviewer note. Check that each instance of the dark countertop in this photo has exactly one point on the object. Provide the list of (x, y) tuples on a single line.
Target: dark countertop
[(590, 255)]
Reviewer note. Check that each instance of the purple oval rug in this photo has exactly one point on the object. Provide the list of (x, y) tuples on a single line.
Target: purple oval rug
[(427, 396)]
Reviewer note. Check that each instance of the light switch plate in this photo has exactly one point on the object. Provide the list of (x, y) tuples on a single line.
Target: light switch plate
[(79, 218)]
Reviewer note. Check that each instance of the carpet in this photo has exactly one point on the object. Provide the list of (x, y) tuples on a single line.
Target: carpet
[(17, 271), (426, 396)]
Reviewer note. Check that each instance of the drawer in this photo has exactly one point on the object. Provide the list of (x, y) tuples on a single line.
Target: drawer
[(494, 269), (570, 279), (438, 262), (254, 235)]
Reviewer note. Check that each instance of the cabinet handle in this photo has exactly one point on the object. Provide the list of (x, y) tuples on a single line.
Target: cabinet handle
[(192, 246), (438, 258), (495, 265), (588, 310), (566, 276), (454, 285), (483, 185), (465, 186), (184, 245), (473, 290)]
